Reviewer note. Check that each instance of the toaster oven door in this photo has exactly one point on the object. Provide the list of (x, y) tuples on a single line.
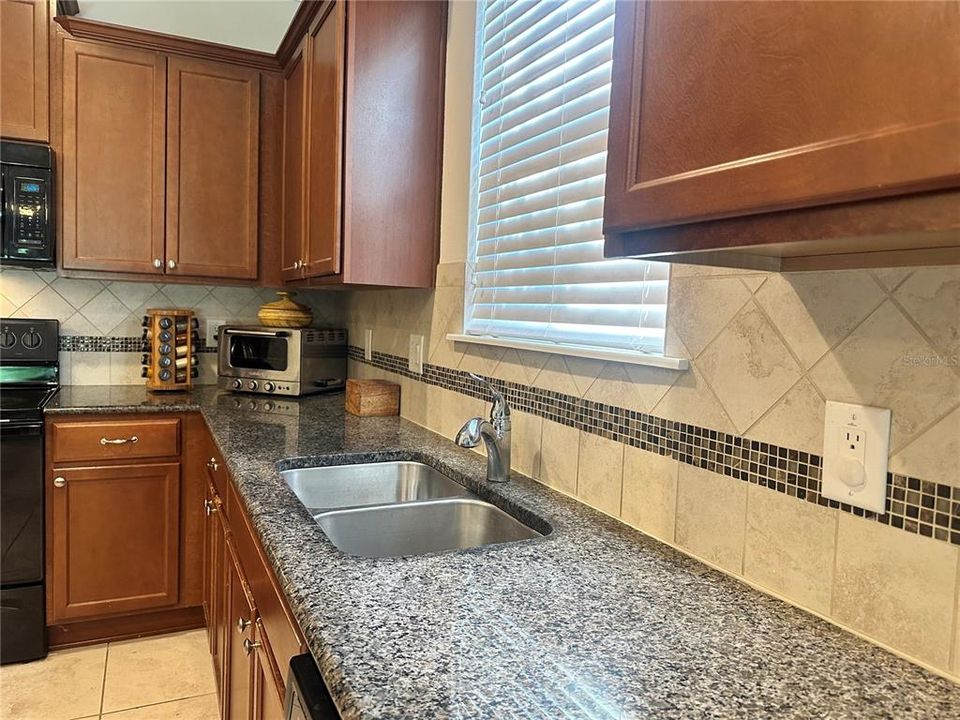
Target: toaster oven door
[(262, 354)]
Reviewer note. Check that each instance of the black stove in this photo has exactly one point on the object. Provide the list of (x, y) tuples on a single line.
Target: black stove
[(29, 377)]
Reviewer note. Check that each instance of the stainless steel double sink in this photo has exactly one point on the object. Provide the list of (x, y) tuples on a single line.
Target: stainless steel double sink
[(392, 509)]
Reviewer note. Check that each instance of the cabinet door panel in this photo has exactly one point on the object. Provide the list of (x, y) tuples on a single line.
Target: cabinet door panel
[(212, 169), (325, 55), (734, 108), (24, 70), (294, 157), (115, 535), (239, 626), (112, 163)]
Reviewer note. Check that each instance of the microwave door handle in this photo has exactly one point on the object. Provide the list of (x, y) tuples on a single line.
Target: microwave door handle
[(258, 333)]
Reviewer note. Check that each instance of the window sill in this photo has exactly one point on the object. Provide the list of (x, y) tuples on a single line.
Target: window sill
[(584, 351)]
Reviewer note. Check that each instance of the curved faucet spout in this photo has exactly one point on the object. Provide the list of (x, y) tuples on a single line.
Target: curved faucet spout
[(496, 441)]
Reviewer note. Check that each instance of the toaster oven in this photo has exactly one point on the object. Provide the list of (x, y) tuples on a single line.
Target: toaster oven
[(281, 361)]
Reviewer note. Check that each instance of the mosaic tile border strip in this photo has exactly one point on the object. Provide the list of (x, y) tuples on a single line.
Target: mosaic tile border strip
[(913, 505), (106, 343)]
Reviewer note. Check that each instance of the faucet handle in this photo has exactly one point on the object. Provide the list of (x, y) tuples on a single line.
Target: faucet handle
[(500, 409)]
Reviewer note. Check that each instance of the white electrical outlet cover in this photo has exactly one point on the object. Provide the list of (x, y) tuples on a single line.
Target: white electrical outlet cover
[(856, 442), (415, 357), (211, 328)]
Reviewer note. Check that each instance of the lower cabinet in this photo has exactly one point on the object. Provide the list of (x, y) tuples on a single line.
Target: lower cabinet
[(116, 539), (251, 633), (123, 526)]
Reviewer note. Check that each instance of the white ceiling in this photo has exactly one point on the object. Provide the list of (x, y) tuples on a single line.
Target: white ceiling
[(252, 24)]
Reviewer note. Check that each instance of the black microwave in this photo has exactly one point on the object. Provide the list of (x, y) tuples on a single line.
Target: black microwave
[(26, 203)]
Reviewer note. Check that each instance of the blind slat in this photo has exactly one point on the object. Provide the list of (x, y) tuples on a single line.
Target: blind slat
[(536, 267)]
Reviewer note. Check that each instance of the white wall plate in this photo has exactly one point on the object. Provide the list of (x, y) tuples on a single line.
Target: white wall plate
[(856, 443)]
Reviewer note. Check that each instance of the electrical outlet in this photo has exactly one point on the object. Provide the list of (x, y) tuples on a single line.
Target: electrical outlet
[(210, 328), (415, 357), (856, 444), (368, 344)]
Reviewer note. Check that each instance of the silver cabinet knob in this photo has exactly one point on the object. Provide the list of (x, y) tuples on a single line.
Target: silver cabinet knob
[(59, 482), (297, 264), (242, 625), (213, 464), (248, 646), (157, 263), (171, 264), (208, 507)]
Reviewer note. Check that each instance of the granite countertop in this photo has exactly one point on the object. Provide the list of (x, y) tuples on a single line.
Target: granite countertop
[(594, 620)]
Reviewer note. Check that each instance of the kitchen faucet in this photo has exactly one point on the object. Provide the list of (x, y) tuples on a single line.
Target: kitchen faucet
[(495, 434)]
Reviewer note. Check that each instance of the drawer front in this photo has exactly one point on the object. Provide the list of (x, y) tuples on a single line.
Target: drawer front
[(115, 440), (279, 627)]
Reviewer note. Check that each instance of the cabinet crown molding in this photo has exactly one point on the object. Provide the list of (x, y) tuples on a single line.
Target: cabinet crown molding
[(161, 42)]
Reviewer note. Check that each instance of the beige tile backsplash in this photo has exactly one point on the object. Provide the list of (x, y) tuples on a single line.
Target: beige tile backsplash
[(766, 353), (115, 309)]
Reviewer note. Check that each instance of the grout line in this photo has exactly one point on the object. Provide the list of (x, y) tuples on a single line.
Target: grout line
[(155, 704), (103, 684), (722, 452)]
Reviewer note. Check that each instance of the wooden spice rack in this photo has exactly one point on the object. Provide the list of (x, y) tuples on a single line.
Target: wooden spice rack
[(171, 339)]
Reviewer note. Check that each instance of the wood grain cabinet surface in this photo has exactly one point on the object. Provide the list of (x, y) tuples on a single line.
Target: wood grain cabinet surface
[(160, 164), (111, 161), (24, 69), (213, 113), (817, 119), (362, 145), (115, 539)]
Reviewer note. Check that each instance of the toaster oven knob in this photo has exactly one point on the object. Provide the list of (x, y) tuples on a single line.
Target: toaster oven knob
[(252, 385), (236, 385), (269, 386), (7, 339)]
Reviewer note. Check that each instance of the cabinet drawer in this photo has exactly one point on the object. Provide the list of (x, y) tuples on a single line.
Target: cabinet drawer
[(279, 627), (115, 439)]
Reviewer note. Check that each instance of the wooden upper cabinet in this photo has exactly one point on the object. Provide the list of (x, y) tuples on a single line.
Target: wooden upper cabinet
[(213, 115), (731, 109), (294, 158), (112, 158), (325, 56), (24, 69), (115, 539), (364, 108)]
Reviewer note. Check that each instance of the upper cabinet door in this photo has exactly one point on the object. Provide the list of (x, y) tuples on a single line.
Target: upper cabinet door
[(24, 69), (112, 159), (213, 121), (325, 73), (294, 158), (723, 109)]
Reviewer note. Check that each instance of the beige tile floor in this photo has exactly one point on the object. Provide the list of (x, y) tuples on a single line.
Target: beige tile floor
[(169, 677)]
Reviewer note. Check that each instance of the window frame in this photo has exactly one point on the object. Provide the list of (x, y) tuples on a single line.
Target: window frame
[(630, 356)]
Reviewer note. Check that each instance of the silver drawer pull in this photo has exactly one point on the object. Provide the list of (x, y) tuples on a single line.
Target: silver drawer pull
[(242, 625), (249, 646), (119, 441)]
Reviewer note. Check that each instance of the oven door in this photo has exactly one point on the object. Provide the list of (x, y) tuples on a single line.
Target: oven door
[(259, 354), (21, 502)]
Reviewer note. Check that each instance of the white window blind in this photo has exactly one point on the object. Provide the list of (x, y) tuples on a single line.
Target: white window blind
[(536, 269)]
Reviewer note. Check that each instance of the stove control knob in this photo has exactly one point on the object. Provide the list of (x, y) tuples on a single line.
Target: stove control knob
[(268, 406), (269, 386), (236, 385), (7, 339), (252, 385), (31, 340)]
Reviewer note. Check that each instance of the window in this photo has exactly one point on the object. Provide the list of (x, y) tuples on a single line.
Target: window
[(536, 270)]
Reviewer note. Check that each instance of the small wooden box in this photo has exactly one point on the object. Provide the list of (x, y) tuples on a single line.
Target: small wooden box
[(372, 398)]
